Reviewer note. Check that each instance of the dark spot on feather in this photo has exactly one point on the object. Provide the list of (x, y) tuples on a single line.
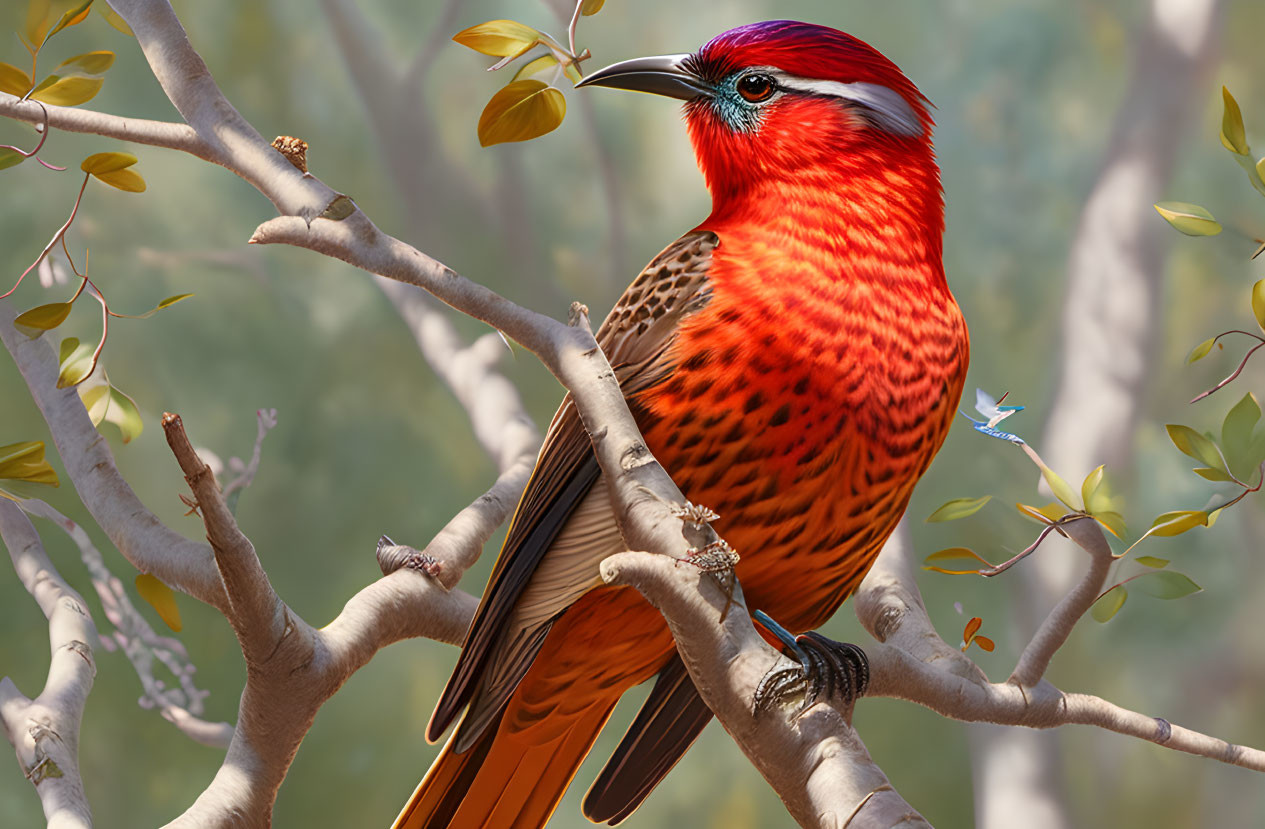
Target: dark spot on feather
[(809, 456), (801, 386), (697, 360), (699, 389), (712, 420), (693, 440), (754, 402), (782, 415), (687, 418)]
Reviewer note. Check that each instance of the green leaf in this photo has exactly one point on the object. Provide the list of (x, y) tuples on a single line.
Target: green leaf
[(14, 80), (1152, 561), (122, 412), (1190, 219), (958, 508), (99, 163), (1108, 604), (1165, 584), (25, 462), (166, 303), (1200, 351), (67, 92), (1258, 302), (1177, 522), (161, 598), (591, 7), (499, 38), (521, 111), (1209, 474), (1090, 487), (1233, 136), (89, 63), (72, 17), (10, 158), (1237, 428), (1195, 445), (1060, 488), (42, 318)]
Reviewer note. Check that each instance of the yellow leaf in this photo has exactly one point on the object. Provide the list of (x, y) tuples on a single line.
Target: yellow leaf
[(161, 598), (520, 112), (89, 63), (112, 17), (14, 80), (42, 318), (591, 7), (1178, 522), (122, 412), (73, 17), (99, 163), (1258, 302), (1048, 514), (1233, 136), (67, 92), (75, 363), (97, 401), (535, 67), (38, 19), (1112, 522), (499, 38), (128, 180), (25, 462)]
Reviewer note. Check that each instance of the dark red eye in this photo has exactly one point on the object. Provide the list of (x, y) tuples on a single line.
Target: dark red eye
[(756, 88)]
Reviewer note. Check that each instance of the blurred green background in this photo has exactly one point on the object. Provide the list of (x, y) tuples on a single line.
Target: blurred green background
[(370, 442)]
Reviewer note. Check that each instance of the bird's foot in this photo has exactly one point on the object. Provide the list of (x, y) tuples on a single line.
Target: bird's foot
[(694, 513), (392, 557), (826, 669)]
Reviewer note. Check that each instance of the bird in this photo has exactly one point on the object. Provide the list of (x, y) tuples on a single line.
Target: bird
[(793, 362)]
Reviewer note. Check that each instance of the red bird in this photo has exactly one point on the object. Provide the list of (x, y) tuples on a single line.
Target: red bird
[(794, 362)]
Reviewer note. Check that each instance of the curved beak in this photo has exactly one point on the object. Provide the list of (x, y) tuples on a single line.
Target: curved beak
[(660, 75)]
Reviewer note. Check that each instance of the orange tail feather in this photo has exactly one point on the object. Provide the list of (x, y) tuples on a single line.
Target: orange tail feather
[(502, 780)]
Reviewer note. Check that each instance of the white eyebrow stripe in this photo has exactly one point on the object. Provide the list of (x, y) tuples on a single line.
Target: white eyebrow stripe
[(890, 110)]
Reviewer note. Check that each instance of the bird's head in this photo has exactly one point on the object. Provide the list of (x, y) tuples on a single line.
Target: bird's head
[(770, 101)]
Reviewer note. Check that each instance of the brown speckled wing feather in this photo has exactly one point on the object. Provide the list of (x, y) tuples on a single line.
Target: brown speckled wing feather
[(513, 618)]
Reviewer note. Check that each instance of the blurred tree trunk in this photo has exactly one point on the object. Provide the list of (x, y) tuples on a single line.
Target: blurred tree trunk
[(1109, 334)]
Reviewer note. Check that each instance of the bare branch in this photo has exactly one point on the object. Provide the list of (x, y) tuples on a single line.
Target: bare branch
[(45, 730), (138, 641), (254, 610), (815, 761)]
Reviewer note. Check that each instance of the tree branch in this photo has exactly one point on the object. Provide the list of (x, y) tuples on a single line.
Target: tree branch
[(45, 730)]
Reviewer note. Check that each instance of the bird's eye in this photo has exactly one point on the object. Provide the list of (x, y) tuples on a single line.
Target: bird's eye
[(756, 88)]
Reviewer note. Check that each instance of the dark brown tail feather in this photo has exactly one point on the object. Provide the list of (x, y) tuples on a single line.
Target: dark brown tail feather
[(670, 720)]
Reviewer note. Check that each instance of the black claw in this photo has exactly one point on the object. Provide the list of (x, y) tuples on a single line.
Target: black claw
[(826, 669)]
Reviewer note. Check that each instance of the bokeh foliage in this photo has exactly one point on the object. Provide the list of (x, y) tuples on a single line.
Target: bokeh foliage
[(370, 442)]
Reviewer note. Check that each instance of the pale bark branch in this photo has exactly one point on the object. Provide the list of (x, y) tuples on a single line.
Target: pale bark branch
[(146, 542), (45, 731), (181, 703)]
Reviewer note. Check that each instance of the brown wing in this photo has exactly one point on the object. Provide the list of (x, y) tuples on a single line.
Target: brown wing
[(564, 512)]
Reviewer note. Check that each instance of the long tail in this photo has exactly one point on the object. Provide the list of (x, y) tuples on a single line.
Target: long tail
[(502, 780)]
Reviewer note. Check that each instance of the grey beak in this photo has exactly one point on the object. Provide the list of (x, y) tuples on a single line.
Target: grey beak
[(660, 75)]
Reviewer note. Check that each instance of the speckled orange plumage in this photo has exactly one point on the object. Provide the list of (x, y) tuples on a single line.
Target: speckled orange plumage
[(805, 400)]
